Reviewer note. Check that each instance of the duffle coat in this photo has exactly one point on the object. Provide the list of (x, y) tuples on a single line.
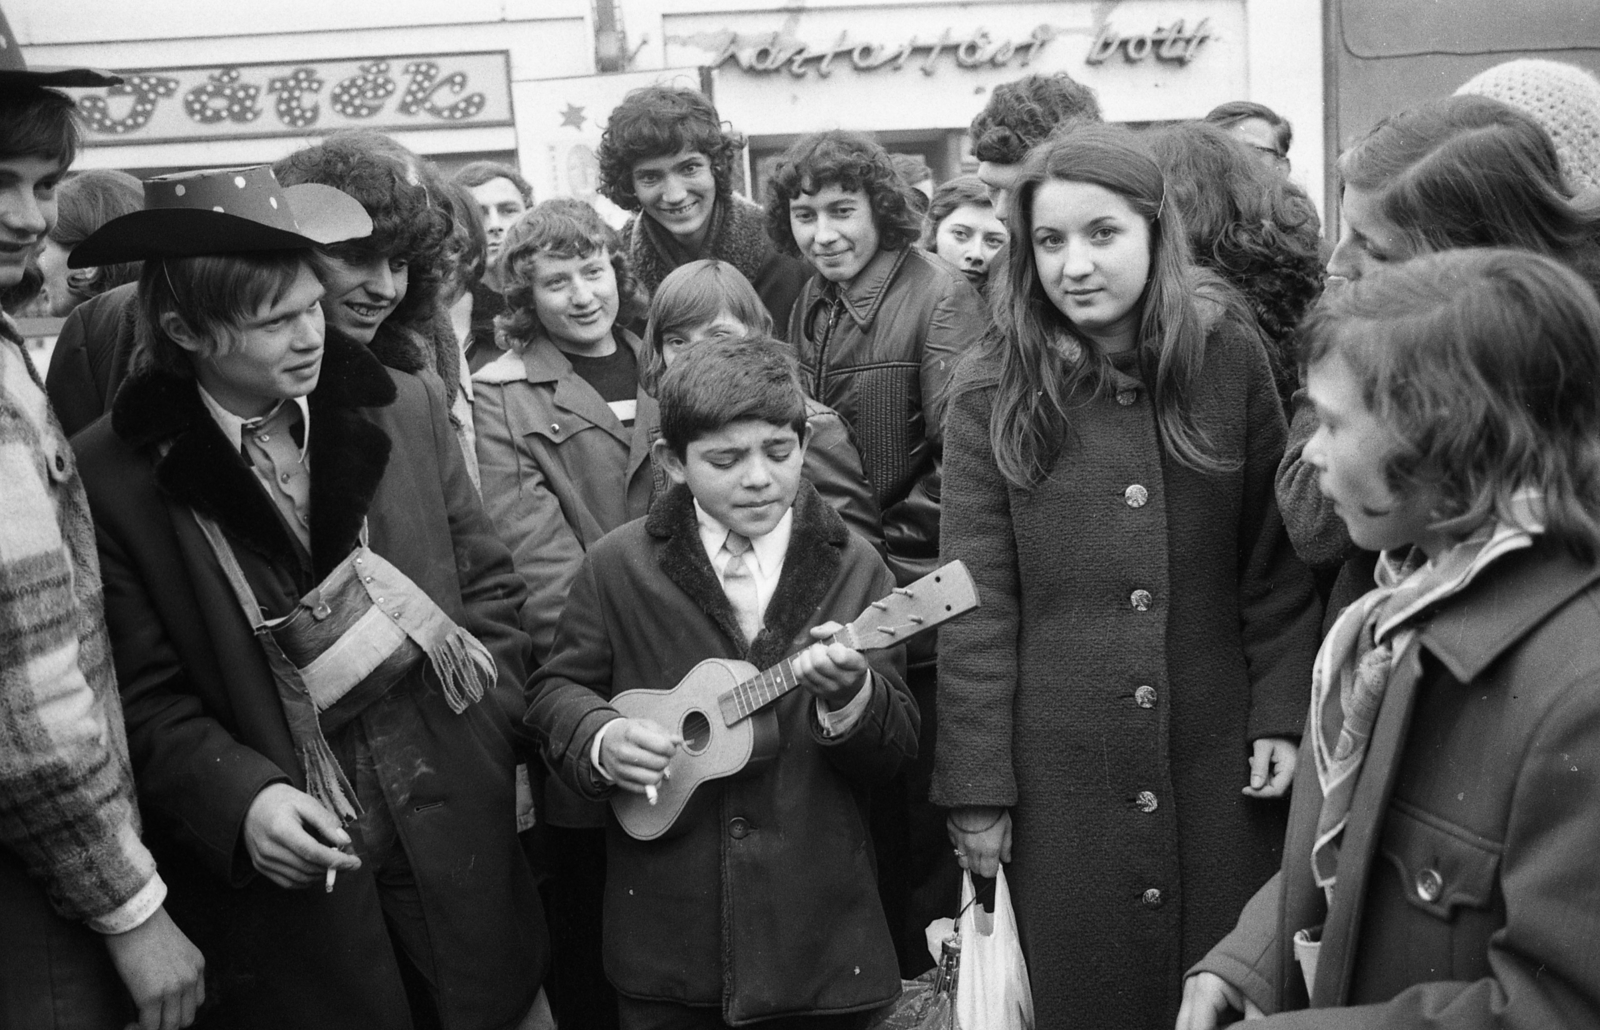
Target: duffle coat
[(1466, 893), (767, 903), (207, 731), (1141, 624)]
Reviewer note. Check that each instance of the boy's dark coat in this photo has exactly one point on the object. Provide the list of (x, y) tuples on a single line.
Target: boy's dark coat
[(1467, 895), (768, 904), (206, 730)]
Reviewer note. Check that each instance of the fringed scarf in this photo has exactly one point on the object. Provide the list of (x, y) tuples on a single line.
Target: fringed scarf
[(1363, 649)]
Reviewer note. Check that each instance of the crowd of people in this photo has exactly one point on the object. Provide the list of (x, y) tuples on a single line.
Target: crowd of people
[(385, 487)]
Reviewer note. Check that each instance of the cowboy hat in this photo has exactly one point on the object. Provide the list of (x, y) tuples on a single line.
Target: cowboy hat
[(14, 71), (224, 211)]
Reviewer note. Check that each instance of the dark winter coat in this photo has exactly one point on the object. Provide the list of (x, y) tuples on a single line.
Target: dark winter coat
[(207, 732), (90, 359), (768, 904), (1466, 892), (880, 352), (1141, 624), (738, 235)]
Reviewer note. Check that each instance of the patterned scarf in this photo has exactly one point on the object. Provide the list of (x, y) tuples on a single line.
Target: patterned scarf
[(1363, 649)]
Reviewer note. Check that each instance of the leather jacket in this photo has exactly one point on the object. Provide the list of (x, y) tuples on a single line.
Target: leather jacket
[(879, 350)]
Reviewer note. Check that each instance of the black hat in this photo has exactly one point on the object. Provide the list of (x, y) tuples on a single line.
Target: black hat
[(224, 211), (14, 71)]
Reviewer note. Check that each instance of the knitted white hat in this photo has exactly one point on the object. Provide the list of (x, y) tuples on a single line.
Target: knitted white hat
[(1563, 98)]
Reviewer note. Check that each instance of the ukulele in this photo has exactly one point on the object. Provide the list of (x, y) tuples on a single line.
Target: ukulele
[(722, 711)]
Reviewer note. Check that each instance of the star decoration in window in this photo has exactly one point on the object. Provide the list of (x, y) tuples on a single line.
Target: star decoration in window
[(573, 116)]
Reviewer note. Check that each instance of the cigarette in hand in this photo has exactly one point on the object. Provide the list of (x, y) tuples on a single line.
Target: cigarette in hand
[(650, 795), (327, 881)]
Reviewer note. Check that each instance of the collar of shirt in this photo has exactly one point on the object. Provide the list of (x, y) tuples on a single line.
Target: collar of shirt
[(232, 425), (768, 550)]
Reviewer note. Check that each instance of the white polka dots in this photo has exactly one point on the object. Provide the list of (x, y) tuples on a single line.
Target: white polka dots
[(274, 202), (238, 180), (180, 189), (218, 209)]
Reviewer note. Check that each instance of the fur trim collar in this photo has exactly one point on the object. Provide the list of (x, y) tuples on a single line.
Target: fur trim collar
[(816, 552), (200, 469), (428, 345), (738, 236)]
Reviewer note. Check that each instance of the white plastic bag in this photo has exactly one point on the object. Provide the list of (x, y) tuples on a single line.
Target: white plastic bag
[(992, 991)]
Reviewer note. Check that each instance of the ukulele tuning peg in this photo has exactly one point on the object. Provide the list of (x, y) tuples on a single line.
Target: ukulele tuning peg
[(904, 592), (887, 629), (880, 606), (917, 619)]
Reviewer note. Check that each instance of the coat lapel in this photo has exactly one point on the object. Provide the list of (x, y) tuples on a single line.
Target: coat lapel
[(810, 566), (1335, 964), (201, 470)]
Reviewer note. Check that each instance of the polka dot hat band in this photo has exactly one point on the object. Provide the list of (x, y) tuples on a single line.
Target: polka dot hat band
[(14, 71), (224, 211)]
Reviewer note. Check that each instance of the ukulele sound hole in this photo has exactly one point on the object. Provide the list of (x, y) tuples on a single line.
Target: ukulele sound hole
[(696, 731)]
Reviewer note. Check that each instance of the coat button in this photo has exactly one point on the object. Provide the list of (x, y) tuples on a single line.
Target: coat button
[(1136, 496), (555, 427), (1141, 600), (1126, 397), (1146, 801), (1430, 885), (1152, 897), (738, 829), (1145, 696)]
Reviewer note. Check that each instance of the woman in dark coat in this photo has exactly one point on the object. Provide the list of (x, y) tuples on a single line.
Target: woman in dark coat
[(210, 734), (1144, 644)]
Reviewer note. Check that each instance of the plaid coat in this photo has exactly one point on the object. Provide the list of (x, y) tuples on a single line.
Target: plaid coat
[(66, 788)]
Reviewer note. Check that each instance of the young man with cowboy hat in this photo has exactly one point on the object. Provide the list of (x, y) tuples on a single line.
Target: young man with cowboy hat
[(315, 628), (85, 941)]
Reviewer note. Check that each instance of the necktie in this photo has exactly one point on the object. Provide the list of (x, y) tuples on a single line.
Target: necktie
[(269, 445), (739, 583)]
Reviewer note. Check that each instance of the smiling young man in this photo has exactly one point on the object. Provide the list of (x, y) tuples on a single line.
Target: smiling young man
[(666, 154), (878, 329), (563, 445), (86, 940), (262, 473)]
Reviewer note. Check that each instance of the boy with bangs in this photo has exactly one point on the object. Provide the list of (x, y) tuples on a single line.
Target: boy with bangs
[(878, 330), (1438, 870), (86, 940), (563, 446), (666, 155), (762, 908), (314, 627)]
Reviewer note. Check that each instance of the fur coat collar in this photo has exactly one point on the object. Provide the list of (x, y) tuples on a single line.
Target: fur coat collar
[(810, 566), (200, 469)]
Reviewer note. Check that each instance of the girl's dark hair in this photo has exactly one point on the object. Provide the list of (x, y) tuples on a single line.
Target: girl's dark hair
[(212, 295), (38, 122), (659, 121), (405, 196), (850, 161), (85, 202), (1032, 424), (1484, 364), (725, 381), (952, 194), (695, 294), (467, 246), (1468, 171), (1248, 224), (559, 228)]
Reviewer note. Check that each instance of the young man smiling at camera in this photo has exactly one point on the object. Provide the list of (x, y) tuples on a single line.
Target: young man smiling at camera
[(878, 330), (666, 154)]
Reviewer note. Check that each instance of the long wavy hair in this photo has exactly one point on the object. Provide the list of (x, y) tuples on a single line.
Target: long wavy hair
[(562, 228), (850, 161), (1041, 377), (1468, 171), (1251, 226), (1485, 365)]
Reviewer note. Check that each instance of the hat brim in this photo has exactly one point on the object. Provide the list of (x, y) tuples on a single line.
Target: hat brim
[(57, 76), (325, 215)]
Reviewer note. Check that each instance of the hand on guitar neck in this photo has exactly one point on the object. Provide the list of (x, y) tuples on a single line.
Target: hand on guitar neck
[(635, 752)]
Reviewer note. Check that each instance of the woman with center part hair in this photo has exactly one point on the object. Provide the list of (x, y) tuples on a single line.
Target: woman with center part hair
[(1120, 716)]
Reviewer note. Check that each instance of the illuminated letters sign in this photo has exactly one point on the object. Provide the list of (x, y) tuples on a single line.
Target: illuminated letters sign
[(300, 98), (1170, 44), (976, 49)]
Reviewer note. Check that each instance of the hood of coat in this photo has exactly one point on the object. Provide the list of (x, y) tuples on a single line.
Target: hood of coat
[(197, 466), (817, 541)]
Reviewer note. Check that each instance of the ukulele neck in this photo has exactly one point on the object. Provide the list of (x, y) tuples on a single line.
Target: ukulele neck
[(768, 685)]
